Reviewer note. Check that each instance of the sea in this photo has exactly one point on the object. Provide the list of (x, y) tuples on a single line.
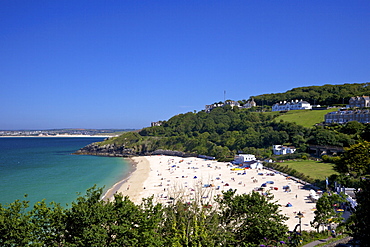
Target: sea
[(45, 168)]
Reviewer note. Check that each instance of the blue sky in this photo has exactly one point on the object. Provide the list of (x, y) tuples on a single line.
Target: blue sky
[(124, 64)]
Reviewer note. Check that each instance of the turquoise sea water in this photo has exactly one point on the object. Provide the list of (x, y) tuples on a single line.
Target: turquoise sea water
[(44, 168)]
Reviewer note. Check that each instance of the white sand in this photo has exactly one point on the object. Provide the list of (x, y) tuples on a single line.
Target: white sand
[(167, 176)]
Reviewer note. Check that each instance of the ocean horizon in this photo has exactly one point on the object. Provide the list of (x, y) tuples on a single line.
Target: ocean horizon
[(45, 168)]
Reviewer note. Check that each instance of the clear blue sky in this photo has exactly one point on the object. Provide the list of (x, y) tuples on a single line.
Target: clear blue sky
[(124, 64)]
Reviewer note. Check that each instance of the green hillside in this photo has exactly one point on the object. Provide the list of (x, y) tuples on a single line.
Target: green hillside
[(306, 118)]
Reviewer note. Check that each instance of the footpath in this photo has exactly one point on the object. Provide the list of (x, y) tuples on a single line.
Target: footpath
[(333, 244)]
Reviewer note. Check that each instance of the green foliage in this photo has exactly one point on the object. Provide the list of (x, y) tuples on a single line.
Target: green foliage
[(355, 160), (326, 137), (365, 135), (322, 95), (191, 224), (239, 220), (361, 218), (353, 128), (226, 131), (15, 224), (251, 218), (291, 156), (89, 222), (125, 139), (330, 159), (325, 212), (221, 133)]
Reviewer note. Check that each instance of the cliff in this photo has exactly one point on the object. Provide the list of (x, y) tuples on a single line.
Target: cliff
[(114, 150), (106, 150)]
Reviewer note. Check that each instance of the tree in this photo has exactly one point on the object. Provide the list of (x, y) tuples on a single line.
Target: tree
[(361, 217), (15, 224), (49, 223), (355, 160), (366, 133), (325, 213), (191, 224), (352, 128), (94, 222), (251, 218)]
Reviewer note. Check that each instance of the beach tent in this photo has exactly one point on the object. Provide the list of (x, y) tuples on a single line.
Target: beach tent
[(256, 165)]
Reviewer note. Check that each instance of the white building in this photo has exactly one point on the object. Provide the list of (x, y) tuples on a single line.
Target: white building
[(249, 104), (231, 103), (293, 105), (281, 150), (210, 107), (242, 158)]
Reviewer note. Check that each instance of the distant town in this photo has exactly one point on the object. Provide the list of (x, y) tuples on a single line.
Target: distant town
[(64, 132)]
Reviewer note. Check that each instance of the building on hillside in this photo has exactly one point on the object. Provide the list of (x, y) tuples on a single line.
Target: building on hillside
[(342, 117), (210, 107), (159, 123), (281, 150), (242, 158), (359, 102), (249, 104), (232, 103), (293, 105), (227, 102)]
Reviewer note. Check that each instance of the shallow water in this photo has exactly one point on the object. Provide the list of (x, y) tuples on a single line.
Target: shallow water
[(44, 168)]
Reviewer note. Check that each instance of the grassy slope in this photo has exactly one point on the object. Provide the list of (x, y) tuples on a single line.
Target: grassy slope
[(306, 118), (314, 169)]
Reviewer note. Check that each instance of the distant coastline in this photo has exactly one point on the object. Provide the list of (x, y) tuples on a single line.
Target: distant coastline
[(98, 136)]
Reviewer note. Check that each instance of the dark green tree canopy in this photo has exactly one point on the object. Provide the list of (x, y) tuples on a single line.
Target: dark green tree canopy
[(241, 220), (322, 95), (356, 160)]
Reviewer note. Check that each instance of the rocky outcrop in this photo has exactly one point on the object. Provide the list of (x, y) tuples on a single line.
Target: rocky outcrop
[(114, 150), (106, 150)]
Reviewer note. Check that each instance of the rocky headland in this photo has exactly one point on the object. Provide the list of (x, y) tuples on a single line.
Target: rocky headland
[(114, 150)]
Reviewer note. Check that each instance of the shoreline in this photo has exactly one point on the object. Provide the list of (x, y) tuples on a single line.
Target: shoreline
[(132, 186), (103, 136), (168, 178), (109, 194)]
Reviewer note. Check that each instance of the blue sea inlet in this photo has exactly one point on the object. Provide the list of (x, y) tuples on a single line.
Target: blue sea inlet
[(44, 168)]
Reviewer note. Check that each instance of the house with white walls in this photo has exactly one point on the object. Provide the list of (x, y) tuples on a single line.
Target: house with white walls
[(242, 158), (293, 105), (281, 150)]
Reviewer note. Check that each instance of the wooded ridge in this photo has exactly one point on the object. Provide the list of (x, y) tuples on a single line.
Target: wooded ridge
[(226, 131)]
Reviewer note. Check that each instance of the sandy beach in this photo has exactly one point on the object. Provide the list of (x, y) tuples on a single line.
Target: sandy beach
[(167, 177)]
